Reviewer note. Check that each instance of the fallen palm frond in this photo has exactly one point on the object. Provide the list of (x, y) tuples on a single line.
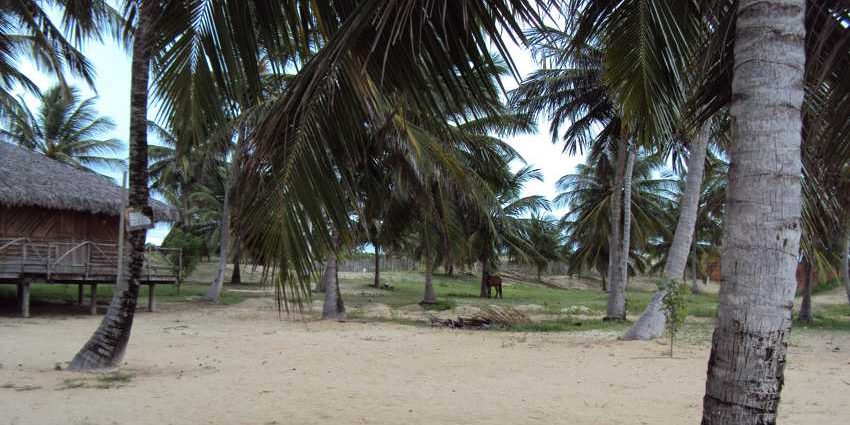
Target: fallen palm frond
[(502, 315), (489, 316)]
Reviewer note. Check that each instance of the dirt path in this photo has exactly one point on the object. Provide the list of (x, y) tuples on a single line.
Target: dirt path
[(240, 365)]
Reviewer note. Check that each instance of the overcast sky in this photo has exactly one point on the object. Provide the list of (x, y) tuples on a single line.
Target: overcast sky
[(112, 87)]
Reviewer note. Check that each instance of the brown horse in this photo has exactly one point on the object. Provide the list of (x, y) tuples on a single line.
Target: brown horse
[(494, 281)]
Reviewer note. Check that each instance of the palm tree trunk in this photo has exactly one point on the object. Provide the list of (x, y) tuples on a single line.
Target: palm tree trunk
[(106, 347), (214, 291), (762, 230), (236, 276), (651, 322), (627, 222), (806, 305), (327, 276), (377, 264), (332, 307), (843, 267), (430, 296), (616, 298), (485, 276)]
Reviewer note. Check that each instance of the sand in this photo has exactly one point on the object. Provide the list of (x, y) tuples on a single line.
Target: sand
[(204, 364)]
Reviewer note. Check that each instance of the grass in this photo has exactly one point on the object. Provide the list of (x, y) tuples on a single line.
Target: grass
[(104, 381), (67, 293), (408, 288)]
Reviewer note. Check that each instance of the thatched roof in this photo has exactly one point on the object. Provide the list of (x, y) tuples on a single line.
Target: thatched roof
[(31, 179)]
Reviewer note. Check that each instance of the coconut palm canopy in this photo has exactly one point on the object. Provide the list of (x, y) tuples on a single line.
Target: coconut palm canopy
[(31, 179), (65, 127)]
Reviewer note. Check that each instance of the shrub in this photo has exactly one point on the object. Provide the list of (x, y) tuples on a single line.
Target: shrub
[(675, 307), (192, 247)]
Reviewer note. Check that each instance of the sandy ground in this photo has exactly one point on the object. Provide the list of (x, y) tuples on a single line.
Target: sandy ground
[(241, 365)]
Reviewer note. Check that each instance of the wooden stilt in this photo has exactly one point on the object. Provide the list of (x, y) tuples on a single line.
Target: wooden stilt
[(24, 298), (93, 300), (80, 294), (151, 298)]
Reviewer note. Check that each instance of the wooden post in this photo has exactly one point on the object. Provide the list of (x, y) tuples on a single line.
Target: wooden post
[(93, 300), (80, 294), (151, 298), (24, 297), (88, 260)]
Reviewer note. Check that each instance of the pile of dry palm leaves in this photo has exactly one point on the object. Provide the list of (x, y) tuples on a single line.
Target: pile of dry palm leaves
[(490, 316)]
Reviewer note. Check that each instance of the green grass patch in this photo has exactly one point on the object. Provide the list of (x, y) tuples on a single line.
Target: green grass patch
[(104, 381), (821, 322), (409, 287), (441, 305), (823, 286), (67, 293), (116, 377)]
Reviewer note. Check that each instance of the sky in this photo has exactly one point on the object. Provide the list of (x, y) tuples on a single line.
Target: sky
[(112, 87)]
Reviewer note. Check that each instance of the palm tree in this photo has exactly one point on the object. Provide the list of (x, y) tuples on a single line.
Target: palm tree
[(332, 105), (48, 46), (644, 48), (544, 235), (652, 321), (65, 128), (570, 86), (587, 194), (504, 227), (107, 346), (747, 362)]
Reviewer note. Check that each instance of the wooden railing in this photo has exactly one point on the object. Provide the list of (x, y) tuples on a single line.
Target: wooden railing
[(81, 260)]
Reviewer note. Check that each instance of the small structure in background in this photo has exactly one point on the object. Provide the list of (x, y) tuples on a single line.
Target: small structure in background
[(59, 224)]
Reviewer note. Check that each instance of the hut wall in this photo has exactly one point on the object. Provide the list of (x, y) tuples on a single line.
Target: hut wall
[(44, 223)]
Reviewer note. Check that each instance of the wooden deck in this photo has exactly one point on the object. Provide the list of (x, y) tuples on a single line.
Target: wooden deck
[(23, 261)]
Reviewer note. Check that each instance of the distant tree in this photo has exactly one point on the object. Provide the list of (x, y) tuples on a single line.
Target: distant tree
[(589, 191), (544, 235), (66, 128)]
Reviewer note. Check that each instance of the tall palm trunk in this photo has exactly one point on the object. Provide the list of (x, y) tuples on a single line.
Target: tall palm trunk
[(843, 267), (327, 276), (485, 277), (806, 305), (695, 289), (651, 322), (430, 296), (333, 307), (214, 291), (236, 276), (616, 285), (762, 231), (230, 186), (105, 349), (377, 283), (627, 220)]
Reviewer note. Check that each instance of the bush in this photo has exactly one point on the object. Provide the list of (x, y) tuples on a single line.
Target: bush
[(192, 247), (675, 307)]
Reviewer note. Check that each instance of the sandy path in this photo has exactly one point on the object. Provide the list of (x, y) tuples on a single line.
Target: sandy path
[(238, 365)]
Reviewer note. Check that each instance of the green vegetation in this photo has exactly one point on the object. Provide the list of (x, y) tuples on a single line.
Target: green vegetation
[(192, 247), (675, 307), (464, 290), (103, 381), (67, 294)]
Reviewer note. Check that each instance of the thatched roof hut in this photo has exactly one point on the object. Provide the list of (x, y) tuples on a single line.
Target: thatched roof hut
[(29, 179)]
